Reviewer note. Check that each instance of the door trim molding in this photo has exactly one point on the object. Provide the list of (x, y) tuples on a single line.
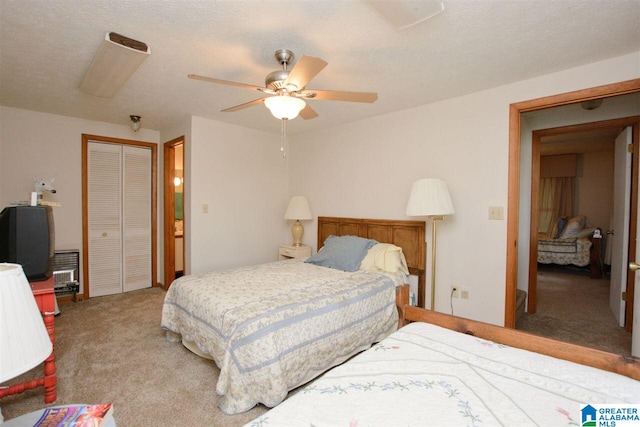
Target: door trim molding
[(513, 203), (86, 138)]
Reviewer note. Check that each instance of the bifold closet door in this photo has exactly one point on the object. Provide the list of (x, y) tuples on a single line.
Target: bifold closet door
[(119, 218)]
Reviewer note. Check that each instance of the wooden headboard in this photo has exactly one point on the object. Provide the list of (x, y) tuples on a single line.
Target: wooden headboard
[(409, 235)]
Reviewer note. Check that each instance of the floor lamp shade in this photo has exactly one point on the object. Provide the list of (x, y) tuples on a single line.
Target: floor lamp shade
[(430, 197), (24, 341), (298, 209)]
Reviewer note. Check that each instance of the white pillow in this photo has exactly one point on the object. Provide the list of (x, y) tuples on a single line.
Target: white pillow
[(574, 226), (385, 257)]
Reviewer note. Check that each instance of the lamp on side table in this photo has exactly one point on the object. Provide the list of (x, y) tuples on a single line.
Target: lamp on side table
[(298, 209), (24, 341)]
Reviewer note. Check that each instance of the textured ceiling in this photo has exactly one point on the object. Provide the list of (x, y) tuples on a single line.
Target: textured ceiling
[(47, 46)]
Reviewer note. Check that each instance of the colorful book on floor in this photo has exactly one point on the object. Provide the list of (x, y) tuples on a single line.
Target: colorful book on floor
[(76, 416)]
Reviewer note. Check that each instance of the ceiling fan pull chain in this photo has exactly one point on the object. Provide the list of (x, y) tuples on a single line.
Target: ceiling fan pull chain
[(284, 137)]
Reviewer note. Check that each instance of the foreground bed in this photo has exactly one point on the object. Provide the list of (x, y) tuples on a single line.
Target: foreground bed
[(273, 327), (425, 374)]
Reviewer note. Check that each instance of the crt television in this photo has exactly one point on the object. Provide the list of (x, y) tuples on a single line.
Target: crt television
[(27, 237)]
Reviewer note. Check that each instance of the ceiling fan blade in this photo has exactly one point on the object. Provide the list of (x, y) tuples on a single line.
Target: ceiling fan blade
[(308, 113), (305, 69), (243, 106), (226, 82), (334, 95)]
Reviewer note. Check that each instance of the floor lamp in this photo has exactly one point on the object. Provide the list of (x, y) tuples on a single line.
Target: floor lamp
[(429, 197)]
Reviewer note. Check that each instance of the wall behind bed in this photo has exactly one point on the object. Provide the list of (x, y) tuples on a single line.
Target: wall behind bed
[(241, 176), (365, 169)]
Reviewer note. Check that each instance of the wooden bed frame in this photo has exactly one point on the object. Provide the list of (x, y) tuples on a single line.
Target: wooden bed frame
[(409, 235), (621, 364)]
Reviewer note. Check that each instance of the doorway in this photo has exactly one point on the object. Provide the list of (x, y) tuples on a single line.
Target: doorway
[(514, 187), (174, 218), (575, 173), (595, 140)]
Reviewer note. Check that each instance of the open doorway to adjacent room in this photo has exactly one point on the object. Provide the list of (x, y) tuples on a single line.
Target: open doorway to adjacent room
[(174, 261), (565, 110), (573, 173)]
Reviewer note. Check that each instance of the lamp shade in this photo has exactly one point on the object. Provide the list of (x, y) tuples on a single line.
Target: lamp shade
[(24, 342), (298, 209), (429, 197), (285, 106)]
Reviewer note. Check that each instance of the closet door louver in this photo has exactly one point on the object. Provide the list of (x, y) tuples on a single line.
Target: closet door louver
[(136, 218), (119, 222), (104, 223)]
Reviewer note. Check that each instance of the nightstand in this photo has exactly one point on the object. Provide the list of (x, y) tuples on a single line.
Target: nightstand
[(288, 252)]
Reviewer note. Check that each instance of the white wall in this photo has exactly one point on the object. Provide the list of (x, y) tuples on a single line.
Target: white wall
[(594, 187), (49, 146), (242, 177), (365, 169)]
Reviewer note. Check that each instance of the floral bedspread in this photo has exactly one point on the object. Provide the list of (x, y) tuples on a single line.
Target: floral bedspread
[(564, 251), (429, 376), (269, 326)]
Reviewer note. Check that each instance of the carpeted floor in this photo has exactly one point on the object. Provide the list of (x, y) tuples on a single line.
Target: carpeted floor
[(111, 349), (572, 307)]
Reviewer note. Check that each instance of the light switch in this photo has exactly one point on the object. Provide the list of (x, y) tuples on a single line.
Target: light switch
[(205, 208), (496, 212)]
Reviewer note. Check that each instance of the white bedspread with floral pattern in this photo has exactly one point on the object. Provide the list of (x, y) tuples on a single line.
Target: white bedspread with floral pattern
[(425, 375), (269, 326)]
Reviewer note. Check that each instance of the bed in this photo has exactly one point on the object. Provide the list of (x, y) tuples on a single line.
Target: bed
[(443, 370), (273, 327)]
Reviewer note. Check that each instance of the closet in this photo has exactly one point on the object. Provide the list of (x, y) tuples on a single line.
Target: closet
[(119, 220)]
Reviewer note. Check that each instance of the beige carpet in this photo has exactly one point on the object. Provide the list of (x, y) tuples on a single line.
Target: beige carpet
[(111, 349), (574, 308)]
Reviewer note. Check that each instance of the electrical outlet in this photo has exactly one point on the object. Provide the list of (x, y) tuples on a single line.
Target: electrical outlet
[(454, 292), (464, 294)]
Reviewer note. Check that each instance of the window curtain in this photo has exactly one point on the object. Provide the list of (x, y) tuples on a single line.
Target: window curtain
[(557, 197)]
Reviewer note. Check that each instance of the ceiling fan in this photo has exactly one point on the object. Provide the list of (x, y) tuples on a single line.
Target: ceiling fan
[(287, 88)]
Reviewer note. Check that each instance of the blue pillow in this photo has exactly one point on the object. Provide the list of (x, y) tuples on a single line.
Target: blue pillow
[(342, 252)]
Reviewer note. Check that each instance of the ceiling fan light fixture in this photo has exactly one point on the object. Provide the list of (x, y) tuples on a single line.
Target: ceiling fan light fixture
[(285, 106)]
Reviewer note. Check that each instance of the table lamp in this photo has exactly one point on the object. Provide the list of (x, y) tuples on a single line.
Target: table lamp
[(430, 197), (24, 341), (299, 210)]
